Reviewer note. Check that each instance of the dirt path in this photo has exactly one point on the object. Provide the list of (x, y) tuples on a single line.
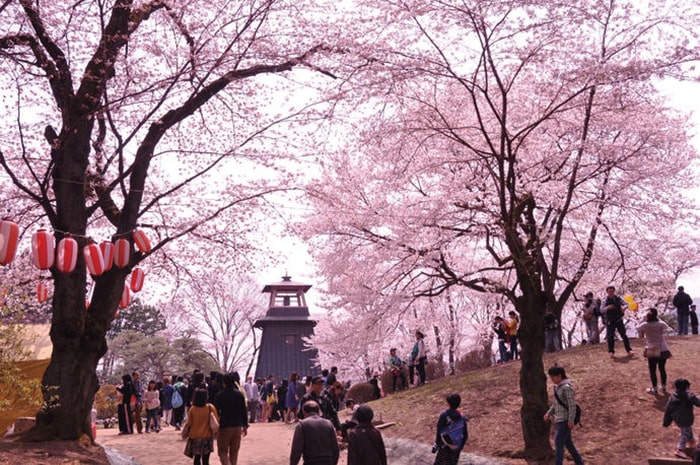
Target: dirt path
[(266, 443)]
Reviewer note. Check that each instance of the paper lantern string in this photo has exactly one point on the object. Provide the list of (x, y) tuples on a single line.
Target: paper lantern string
[(124, 234)]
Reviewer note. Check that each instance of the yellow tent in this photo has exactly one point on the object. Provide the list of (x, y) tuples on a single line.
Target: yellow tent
[(37, 345)]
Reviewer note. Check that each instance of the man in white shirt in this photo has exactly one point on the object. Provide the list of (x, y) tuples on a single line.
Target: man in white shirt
[(253, 396)]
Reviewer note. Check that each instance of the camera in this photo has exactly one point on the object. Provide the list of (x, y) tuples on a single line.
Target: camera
[(434, 449)]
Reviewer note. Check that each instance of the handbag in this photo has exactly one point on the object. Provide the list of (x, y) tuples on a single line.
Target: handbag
[(186, 431), (213, 423), (666, 354)]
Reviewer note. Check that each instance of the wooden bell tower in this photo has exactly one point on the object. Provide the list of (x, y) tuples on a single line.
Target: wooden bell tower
[(287, 322)]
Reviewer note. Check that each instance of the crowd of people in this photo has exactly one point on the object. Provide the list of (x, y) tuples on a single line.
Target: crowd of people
[(218, 408)]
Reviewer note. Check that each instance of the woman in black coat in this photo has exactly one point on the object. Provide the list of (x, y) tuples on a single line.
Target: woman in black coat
[(127, 391)]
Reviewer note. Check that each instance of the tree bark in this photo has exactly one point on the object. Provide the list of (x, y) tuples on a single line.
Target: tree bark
[(533, 383)]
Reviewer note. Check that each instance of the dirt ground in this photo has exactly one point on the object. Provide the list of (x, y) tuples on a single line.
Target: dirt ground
[(266, 443)]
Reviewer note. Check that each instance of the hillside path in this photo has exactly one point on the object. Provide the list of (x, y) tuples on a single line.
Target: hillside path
[(267, 443)]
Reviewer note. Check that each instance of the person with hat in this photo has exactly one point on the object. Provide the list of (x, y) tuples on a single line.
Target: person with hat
[(395, 365), (322, 398)]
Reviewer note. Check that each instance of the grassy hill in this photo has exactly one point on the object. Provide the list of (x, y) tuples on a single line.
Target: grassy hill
[(621, 422)]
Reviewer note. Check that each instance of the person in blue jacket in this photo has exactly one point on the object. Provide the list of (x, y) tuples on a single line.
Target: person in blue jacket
[(451, 433)]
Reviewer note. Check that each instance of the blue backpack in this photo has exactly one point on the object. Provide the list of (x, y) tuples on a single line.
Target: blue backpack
[(177, 399), (455, 434)]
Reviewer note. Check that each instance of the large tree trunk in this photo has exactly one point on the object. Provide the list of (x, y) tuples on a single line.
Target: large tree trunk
[(77, 332), (533, 382), (78, 336)]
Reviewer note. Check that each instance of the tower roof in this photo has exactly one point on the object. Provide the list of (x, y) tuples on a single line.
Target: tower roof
[(287, 284)]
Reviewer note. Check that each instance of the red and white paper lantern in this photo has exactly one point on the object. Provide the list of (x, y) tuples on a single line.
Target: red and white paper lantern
[(42, 249), (94, 260), (42, 292), (126, 298), (122, 253), (9, 235), (137, 276), (141, 241), (67, 255), (107, 249)]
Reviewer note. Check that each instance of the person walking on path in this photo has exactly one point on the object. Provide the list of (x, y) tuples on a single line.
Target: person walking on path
[(252, 393), (682, 302), (448, 454), (167, 392), (314, 438), (179, 410), (656, 349), (563, 411), (323, 399), (200, 439), (126, 390), (613, 308), (138, 406), (151, 399), (231, 406), (679, 410), (293, 397), (365, 443)]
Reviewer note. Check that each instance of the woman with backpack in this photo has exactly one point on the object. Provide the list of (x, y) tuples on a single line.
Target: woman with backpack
[(451, 433)]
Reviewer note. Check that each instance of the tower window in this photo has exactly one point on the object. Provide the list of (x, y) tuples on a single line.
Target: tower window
[(290, 339)]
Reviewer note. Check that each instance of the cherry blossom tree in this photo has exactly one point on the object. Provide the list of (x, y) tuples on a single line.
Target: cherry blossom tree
[(122, 115), (220, 311), (515, 138)]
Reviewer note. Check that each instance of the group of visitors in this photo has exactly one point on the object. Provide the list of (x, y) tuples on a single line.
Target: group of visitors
[(611, 312), (507, 335), (219, 408), (417, 360), (189, 407), (270, 401), (133, 397)]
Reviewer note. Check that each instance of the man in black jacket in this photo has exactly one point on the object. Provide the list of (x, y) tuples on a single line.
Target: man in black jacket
[(614, 312), (682, 302), (233, 420), (314, 438), (322, 398)]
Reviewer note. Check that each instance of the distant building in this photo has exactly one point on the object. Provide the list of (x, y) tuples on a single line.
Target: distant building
[(284, 326)]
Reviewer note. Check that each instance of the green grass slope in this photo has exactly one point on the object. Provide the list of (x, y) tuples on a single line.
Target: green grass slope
[(621, 422)]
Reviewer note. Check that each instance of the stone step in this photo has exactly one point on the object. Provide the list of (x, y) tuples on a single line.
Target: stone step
[(671, 460)]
